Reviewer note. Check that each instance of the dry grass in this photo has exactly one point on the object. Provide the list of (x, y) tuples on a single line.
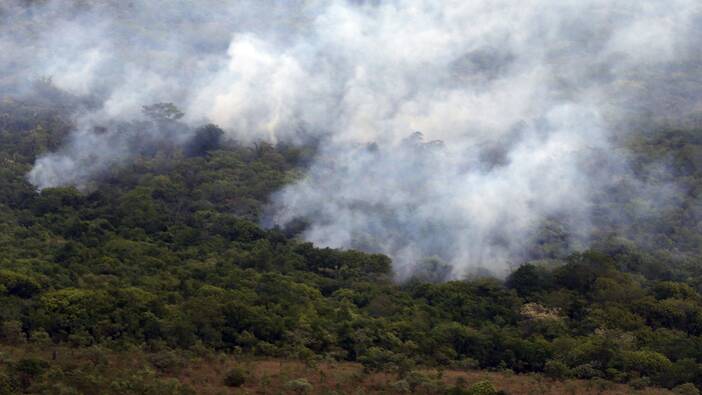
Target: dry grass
[(269, 376)]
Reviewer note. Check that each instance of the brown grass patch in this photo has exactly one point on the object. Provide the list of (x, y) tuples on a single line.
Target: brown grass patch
[(270, 376)]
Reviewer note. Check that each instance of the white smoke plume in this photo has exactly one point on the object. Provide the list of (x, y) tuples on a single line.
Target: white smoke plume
[(513, 100)]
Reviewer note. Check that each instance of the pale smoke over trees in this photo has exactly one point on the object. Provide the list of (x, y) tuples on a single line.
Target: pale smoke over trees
[(517, 103)]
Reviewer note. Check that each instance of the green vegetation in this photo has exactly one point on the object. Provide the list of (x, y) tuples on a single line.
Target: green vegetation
[(235, 377), (164, 256)]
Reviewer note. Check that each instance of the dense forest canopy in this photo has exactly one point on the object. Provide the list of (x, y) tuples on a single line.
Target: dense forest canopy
[(166, 253), (522, 198)]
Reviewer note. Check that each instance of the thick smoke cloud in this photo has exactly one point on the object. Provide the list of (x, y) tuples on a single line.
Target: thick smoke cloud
[(517, 103)]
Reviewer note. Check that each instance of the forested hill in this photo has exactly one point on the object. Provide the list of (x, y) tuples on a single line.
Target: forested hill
[(164, 255)]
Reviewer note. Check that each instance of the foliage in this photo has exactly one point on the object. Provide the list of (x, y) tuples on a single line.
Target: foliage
[(168, 253), (235, 377), (299, 386), (482, 388), (556, 370), (167, 361), (686, 389)]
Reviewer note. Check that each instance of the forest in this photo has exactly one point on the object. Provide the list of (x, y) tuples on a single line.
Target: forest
[(164, 259), (350, 197)]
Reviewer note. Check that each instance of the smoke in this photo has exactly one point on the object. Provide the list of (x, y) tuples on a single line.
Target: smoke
[(513, 100)]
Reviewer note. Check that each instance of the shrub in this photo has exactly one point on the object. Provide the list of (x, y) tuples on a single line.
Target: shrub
[(684, 370), (146, 382), (377, 359), (601, 385), (401, 386), (7, 384), (299, 386), (648, 363), (466, 363), (556, 370), (415, 379), (18, 284), (266, 348), (167, 361), (41, 337), (27, 370), (12, 332), (686, 389), (616, 375), (482, 388), (420, 383), (235, 377), (97, 355), (31, 366), (640, 383), (586, 371), (80, 339)]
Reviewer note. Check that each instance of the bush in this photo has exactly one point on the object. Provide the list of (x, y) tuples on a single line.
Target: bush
[(586, 371), (146, 382), (80, 339), (640, 383), (235, 377), (420, 383), (7, 384), (377, 359), (299, 386), (266, 348), (18, 284), (401, 386), (167, 361), (41, 337), (556, 370), (27, 370), (31, 366), (648, 363), (12, 332), (97, 356), (415, 379), (686, 389), (466, 363), (600, 384), (616, 375), (482, 388), (684, 370)]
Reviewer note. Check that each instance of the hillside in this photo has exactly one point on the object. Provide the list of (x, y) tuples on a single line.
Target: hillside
[(164, 259), (350, 197)]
